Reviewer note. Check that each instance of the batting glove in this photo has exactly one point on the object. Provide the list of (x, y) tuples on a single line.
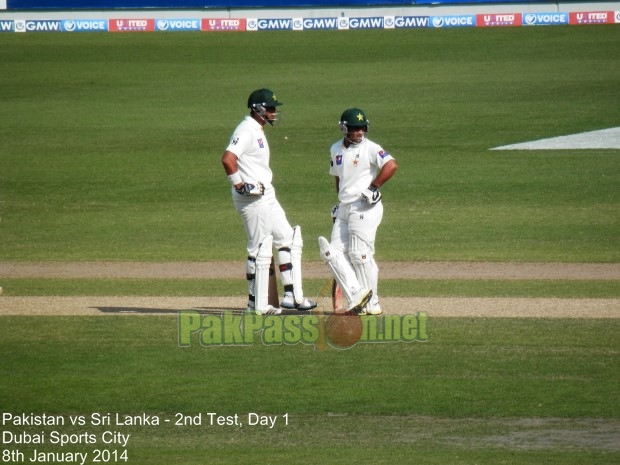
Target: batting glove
[(371, 195), (334, 211), (251, 189)]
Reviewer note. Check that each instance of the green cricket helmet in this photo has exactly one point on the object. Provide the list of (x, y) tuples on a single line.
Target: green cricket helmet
[(353, 119), (264, 97), (260, 100)]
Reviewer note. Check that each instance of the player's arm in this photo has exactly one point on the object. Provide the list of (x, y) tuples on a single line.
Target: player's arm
[(385, 173), (371, 194), (336, 206), (229, 160)]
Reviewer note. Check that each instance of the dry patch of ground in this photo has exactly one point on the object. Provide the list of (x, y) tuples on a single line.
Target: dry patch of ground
[(436, 307)]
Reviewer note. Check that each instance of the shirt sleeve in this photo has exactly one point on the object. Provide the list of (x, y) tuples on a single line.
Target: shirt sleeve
[(239, 143), (381, 157), (333, 169)]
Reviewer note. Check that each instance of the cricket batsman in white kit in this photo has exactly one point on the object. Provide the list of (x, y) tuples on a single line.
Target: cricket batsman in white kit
[(360, 168), (246, 162)]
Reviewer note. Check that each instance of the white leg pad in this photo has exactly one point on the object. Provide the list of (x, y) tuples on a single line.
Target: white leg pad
[(261, 285), (340, 268), (362, 259)]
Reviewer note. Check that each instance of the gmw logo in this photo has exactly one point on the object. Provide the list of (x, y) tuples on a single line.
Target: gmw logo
[(274, 24), (37, 26), (375, 22)]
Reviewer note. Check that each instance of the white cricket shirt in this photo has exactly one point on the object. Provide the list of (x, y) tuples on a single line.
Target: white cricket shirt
[(356, 167), (250, 145)]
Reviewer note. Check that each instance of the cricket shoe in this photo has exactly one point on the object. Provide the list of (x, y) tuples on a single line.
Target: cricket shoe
[(288, 302), (373, 310), (373, 307), (359, 302), (269, 310)]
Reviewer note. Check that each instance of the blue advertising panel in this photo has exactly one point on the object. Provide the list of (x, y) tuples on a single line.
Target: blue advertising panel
[(198, 4)]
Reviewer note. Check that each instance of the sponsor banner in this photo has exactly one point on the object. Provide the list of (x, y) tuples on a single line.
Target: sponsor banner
[(503, 19), (316, 23), (215, 24), (37, 25), (373, 22), (2, 4), (182, 24), (275, 24), (224, 4), (84, 25), (453, 21), (592, 17), (544, 19), (6, 25), (305, 24), (411, 21), (134, 25)]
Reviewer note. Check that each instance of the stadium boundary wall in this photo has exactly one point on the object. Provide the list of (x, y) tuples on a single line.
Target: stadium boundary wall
[(339, 18)]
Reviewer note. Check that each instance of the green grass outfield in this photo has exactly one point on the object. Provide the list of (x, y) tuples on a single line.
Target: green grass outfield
[(111, 143), (110, 149), (483, 391)]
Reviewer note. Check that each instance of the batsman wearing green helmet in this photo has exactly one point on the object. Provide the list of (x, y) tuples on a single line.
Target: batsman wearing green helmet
[(360, 167), (246, 162)]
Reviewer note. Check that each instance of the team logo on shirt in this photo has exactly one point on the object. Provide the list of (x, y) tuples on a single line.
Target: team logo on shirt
[(383, 153), (338, 159), (356, 160), (235, 140), (260, 143)]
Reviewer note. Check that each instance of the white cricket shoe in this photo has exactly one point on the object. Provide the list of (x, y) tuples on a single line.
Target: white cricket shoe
[(288, 301), (373, 307), (269, 310), (373, 310), (360, 300)]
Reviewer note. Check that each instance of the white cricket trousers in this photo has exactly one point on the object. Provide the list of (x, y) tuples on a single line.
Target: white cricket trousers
[(262, 216), (357, 218)]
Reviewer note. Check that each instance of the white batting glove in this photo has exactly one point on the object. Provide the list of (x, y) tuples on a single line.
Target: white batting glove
[(251, 189), (371, 195)]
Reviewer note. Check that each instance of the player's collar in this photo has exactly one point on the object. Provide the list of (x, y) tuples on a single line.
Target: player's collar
[(254, 123)]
